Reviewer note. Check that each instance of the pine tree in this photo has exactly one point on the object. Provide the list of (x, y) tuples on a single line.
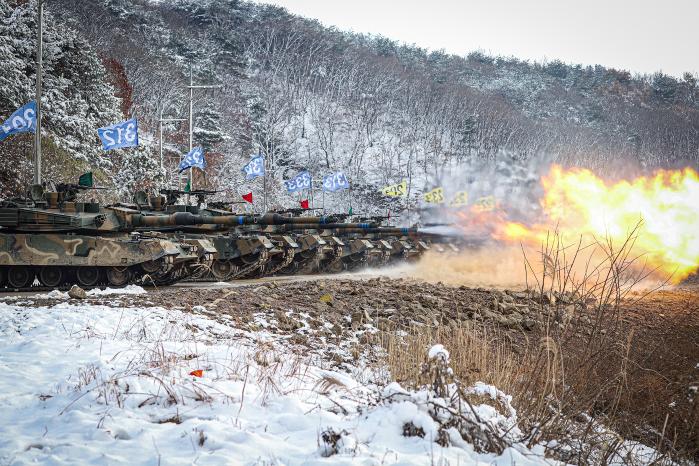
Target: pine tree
[(207, 128)]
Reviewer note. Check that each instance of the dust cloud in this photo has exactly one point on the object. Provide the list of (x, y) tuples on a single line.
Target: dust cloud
[(505, 266), (498, 266)]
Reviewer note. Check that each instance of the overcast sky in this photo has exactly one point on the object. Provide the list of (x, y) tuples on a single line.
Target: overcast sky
[(636, 35)]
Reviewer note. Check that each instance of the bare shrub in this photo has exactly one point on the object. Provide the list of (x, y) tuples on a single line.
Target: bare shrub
[(572, 381)]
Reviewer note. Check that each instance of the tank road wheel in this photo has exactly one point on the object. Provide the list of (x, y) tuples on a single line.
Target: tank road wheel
[(152, 266), (118, 276), (87, 276), (336, 266), (222, 270), (51, 276), (199, 271), (20, 277), (250, 259)]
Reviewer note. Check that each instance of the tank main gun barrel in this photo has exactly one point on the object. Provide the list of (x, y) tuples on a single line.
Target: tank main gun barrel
[(362, 228), (189, 219), (277, 219), (390, 231), (330, 226)]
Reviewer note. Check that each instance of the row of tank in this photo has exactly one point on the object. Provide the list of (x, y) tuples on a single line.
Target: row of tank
[(51, 240)]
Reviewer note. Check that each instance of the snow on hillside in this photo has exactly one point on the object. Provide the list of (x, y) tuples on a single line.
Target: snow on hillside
[(107, 384), (315, 98)]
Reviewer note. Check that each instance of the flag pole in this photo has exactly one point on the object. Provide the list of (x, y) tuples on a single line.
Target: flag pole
[(39, 72), (160, 136), (191, 129)]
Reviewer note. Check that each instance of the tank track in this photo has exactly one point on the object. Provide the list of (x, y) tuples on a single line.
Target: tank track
[(287, 260), (246, 272), (235, 273), (7, 288)]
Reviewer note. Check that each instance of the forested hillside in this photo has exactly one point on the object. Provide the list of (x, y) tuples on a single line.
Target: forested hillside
[(308, 96), (78, 98)]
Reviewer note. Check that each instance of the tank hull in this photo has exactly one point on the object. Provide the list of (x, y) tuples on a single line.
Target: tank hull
[(60, 260)]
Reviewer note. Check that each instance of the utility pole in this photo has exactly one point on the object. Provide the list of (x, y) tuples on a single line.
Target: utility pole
[(39, 56), (191, 88), (264, 181), (162, 120), (313, 201)]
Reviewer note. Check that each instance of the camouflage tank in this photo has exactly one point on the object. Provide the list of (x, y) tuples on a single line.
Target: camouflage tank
[(283, 251), (245, 245), (313, 253), (233, 253), (339, 246), (373, 245), (50, 237)]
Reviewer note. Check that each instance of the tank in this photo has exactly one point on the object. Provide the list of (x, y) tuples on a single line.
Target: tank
[(338, 246), (245, 245), (50, 238), (368, 244), (276, 242)]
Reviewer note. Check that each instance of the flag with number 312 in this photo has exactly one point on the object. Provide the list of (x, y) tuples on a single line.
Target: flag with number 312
[(119, 135)]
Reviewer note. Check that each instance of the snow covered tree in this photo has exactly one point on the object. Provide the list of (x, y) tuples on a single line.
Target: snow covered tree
[(77, 99), (207, 129), (665, 86)]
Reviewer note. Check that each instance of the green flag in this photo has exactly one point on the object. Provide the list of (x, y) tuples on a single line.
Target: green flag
[(86, 180), (350, 211), (187, 188)]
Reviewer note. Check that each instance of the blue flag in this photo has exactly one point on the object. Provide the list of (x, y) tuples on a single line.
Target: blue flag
[(195, 158), (119, 135), (22, 121), (299, 182), (335, 182), (254, 168)]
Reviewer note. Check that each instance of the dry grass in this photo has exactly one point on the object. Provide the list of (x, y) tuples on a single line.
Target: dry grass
[(568, 384), (477, 353)]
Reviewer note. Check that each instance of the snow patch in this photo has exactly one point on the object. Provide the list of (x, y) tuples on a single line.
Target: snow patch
[(130, 289), (438, 351)]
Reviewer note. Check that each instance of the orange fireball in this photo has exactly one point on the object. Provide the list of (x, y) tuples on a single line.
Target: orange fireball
[(580, 204)]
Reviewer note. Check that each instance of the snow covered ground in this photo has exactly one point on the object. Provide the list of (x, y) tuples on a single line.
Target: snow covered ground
[(105, 384)]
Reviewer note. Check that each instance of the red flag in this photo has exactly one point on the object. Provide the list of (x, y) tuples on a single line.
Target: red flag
[(304, 204), (197, 373), (248, 197)]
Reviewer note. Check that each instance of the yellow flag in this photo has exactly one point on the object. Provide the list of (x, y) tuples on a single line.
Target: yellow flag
[(396, 190), (436, 196), (484, 204), (460, 199)]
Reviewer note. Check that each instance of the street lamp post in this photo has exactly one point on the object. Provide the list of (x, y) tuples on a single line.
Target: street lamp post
[(162, 120), (191, 88)]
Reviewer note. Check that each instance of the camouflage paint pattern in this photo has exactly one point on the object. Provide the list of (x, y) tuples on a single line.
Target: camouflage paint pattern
[(80, 250)]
